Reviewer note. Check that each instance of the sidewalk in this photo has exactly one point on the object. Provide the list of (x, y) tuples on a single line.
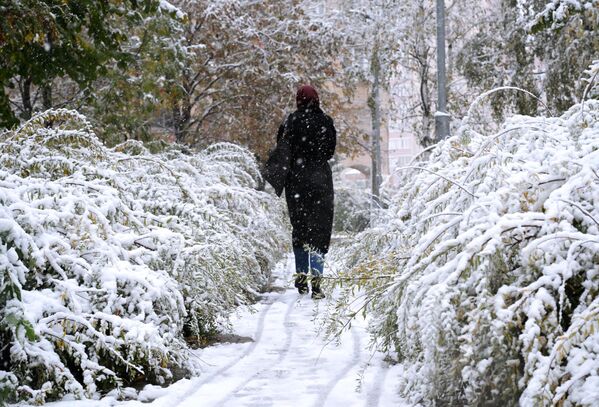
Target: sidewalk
[(285, 363)]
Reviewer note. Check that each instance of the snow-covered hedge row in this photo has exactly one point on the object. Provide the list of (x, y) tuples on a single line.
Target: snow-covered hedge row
[(484, 273), (110, 258), (352, 205)]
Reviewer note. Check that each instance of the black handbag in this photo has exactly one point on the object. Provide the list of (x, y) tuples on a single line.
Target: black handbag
[(279, 161)]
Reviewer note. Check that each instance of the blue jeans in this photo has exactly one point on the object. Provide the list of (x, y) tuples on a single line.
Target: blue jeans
[(308, 260)]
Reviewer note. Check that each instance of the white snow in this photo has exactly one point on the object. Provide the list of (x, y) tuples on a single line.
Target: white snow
[(170, 8), (487, 257), (109, 258), (287, 363)]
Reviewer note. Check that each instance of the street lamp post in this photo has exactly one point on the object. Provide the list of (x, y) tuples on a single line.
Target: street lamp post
[(375, 106), (441, 115)]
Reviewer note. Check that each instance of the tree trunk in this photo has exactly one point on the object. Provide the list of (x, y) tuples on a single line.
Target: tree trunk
[(182, 117), (25, 86), (426, 138), (47, 96), (176, 113), (185, 119)]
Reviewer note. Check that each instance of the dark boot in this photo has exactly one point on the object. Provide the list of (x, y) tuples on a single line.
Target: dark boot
[(317, 293), (301, 283)]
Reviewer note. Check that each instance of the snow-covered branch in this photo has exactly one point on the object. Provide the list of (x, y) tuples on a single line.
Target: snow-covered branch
[(111, 258)]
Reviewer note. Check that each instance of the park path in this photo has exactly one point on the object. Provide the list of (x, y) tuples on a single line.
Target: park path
[(285, 363)]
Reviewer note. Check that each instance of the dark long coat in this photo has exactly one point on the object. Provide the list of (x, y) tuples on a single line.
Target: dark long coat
[(305, 142)]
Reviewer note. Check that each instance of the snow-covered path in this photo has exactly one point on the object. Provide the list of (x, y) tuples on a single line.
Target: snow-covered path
[(286, 363)]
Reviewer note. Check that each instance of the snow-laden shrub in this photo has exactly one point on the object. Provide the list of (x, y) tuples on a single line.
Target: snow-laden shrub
[(484, 275), (110, 258), (352, 209), (592, 77), (352, 205)]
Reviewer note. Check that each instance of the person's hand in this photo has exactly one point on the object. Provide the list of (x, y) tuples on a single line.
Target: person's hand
[(260, 186)]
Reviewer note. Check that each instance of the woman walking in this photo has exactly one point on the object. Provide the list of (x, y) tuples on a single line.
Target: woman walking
[(299, 164)]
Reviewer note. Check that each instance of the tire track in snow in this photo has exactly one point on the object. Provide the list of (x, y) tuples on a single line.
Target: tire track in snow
[(373, 396), (282, 355), (259, 330), (332, 383)]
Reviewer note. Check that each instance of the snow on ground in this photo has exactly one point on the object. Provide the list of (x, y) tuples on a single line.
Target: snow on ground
[(286, 364)]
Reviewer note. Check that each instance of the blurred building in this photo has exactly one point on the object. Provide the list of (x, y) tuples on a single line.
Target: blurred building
[(398, 146), (358, 167)]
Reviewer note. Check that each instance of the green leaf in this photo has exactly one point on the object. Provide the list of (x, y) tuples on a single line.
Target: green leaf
[(29, 331)]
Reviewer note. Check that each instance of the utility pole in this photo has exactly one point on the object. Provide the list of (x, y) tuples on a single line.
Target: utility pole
[(375, 105), (441, 115)]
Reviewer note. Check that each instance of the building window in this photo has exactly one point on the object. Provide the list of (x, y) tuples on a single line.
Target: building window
[(399, 143)]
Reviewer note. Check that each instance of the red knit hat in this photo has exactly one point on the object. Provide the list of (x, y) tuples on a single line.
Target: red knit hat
[(306, 96)]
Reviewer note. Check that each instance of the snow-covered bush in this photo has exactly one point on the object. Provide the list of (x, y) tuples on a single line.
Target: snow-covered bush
[(484, 275), (352, 205), (110, 258), (592, 77), (352, 209)]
